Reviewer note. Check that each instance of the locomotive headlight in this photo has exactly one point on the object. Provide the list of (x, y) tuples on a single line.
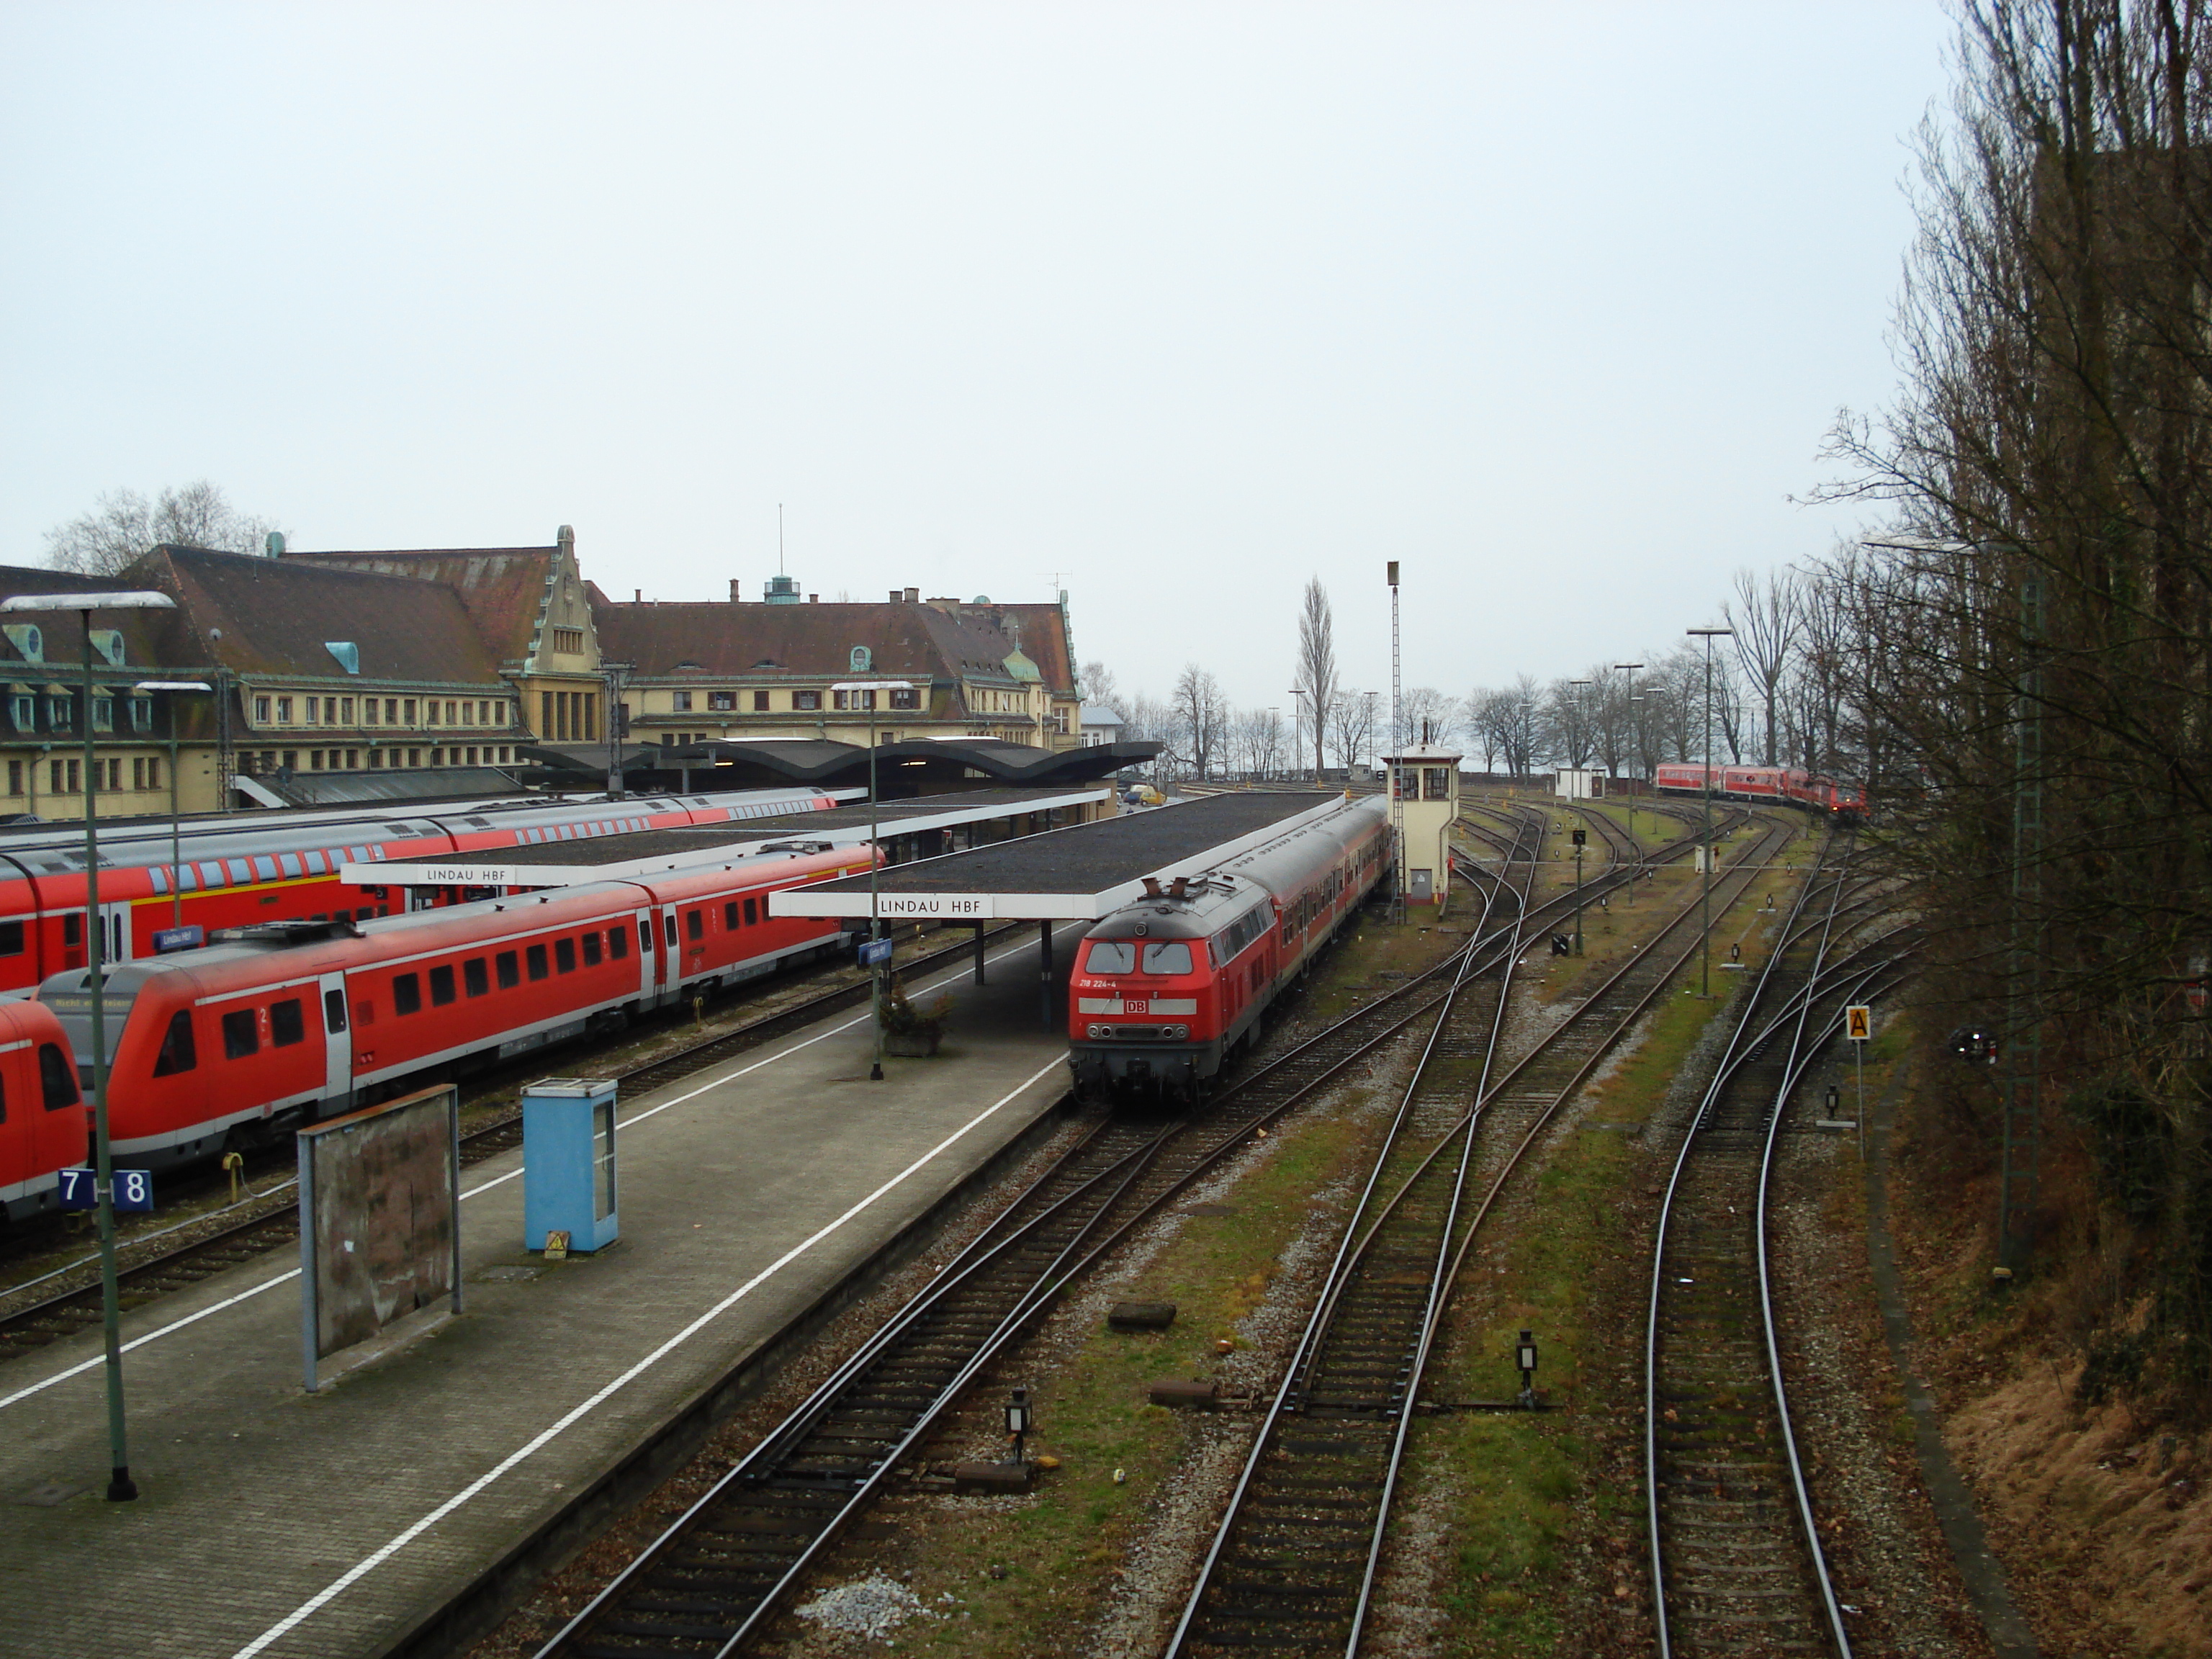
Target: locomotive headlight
[(1101, 1030), (1181, 1032)]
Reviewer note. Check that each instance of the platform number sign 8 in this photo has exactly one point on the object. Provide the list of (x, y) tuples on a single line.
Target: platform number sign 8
[(80, 1189)]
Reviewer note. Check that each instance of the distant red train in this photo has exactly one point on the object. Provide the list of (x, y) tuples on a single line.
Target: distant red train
[(44, 1123), (1763, 783), (1168, 989), (245, 1039), (284, 868)]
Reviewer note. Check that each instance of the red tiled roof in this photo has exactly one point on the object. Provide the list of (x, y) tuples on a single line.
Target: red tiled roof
[(503, 588)]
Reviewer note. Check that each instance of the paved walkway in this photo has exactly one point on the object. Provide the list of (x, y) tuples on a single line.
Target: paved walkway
[(277, 1523)]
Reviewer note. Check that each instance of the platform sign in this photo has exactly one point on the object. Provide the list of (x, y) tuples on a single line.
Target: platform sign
[(1858, 1022), (875, 951), (80, 1189), (167, 940)]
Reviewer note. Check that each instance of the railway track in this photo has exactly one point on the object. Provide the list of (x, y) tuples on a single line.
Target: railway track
[(1293, 1562), (1734, 1554), (67, 1312), (710, 1583)]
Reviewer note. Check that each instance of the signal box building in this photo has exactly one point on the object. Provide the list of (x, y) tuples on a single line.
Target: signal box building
[(1425, 799)]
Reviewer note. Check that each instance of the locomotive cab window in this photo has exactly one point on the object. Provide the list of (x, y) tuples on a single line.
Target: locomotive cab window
[(1171, 958), (241, 1036), (510, 970), (178, 1053), (287, 1023), (1111, 956), (57, 1078), (406, 993)]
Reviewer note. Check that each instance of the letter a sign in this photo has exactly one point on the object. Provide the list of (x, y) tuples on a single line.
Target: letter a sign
[(1858, 1022)]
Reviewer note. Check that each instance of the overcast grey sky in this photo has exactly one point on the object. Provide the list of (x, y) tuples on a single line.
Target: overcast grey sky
[(1184, 302)]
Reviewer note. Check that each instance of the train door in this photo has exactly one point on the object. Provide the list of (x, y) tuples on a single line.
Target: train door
[(115, 941), (671, 954), (337, 1046)]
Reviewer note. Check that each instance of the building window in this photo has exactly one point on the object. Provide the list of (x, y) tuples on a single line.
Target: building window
[(680, 701), (14, 777), (314, 711), (283, 711), (722, 701), (854, 699), (570, 639), (26, 713), (430, 711), (376, 760), (468, 714), (806, 699), (103, 714), (114, 782), (61, 713), (760, 702), (407, 709), (261, 711), (353, 760), (450, 719), (314, 760), (345, 707), (369, 711), (909, 698), (505, 753), (414, 757), (291, 760), (141, 713)]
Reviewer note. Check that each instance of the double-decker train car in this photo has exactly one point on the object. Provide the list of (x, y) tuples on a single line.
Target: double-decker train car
[(234, 875), (44, 1124), (1169, 987), (251, 1036)]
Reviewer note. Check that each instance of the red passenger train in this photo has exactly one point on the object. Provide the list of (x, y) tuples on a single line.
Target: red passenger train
[(235, 875), (251, 1037), (44, 1123), (1168, 989), (1763, 783)]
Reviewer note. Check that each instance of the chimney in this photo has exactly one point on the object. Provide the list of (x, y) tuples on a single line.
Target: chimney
[(895, 596), (736, 597), (914, 596), (637, 596), (814, 598)]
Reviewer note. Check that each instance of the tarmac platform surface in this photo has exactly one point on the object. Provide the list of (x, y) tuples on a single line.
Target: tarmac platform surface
[(273, 1522)]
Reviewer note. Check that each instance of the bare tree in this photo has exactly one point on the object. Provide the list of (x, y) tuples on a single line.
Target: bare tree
[(1202, 717), (1315, 673), (1259, 737), (1350, 725), (1098, 685), (1767, 619), (1425, 714), (123, 525)]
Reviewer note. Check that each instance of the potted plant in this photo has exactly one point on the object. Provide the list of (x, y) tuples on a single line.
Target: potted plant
[(908, 1031)]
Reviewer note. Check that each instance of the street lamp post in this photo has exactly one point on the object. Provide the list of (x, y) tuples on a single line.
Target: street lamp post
[(1299, 727), (1634, 733), (120, 1486), (176, 824), (1370, 731), (614, 674), (1705, 838), (875, 819)]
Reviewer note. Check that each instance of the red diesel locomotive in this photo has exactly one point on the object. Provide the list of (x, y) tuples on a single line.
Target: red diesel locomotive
[(235, 875), (1169, 987), (251, 1037), (45, 1125)]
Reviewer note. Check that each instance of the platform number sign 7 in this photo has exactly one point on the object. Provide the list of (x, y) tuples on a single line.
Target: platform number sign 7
[(80, 1189)]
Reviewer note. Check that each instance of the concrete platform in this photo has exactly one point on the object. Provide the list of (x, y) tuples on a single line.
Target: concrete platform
[(272, 1522)]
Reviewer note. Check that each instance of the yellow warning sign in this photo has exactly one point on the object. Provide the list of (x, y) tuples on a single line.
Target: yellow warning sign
[(1858, 1022)]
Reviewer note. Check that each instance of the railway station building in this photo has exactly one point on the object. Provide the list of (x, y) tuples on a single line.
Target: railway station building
[(364, 676)]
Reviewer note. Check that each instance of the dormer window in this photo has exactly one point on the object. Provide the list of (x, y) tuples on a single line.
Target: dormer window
[(569, 640), (347, 652)]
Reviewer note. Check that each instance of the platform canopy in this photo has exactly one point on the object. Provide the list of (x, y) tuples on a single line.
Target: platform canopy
[(623, 857), (1076, 874)]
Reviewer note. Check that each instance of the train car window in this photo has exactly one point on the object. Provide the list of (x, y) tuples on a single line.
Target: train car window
[(668, 927), (334, 1011), (1172, 958), (475, 978), (11, 938), (406, 993), (241, 1035), (618, 943), (730, 915), (564, 955), (57, 1078), (694, 924), (752, 914), (644, 937), (178, 1053), (288, 1024), (591, 942), (72, 930), (1111, 956), (510, 970), (441, 986), (536, 955)]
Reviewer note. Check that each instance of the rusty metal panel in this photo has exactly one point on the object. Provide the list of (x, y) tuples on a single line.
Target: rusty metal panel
[(379, 1234)]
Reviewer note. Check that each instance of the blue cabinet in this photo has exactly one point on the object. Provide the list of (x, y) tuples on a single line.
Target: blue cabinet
[(568, 1183)]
